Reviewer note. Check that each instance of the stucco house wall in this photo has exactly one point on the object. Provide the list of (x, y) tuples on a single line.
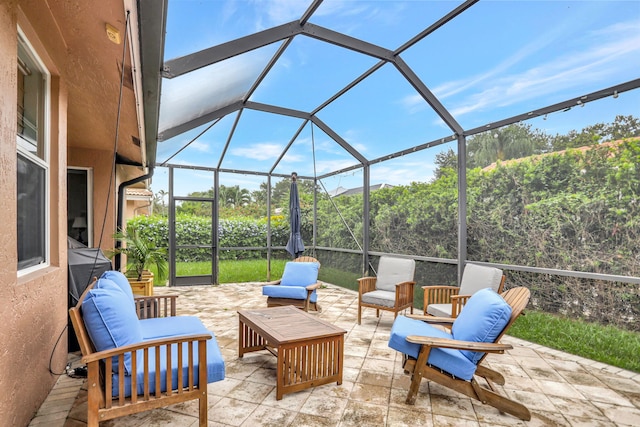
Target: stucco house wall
[(34, 306)]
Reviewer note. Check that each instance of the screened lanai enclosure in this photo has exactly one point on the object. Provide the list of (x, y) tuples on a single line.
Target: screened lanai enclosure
[(496, 132)]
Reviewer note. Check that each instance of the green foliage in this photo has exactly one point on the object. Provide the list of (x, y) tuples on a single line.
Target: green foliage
[(511, 142), (196, 230), (622, 127), (141, 252), (577, 209)]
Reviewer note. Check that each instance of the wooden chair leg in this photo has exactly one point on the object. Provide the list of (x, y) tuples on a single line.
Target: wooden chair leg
[(490, 375), (417, 375), (94, 397), (203, 406), (500, 402), (359, 314)]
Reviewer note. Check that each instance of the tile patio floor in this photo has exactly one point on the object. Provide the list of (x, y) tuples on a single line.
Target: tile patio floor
[(559, 389)]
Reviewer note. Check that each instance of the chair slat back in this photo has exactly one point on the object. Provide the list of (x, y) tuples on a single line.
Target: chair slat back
[(75, 313), (517, 298), (306, 259)]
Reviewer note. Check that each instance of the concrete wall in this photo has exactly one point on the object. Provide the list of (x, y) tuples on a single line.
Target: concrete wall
[(33, 313)]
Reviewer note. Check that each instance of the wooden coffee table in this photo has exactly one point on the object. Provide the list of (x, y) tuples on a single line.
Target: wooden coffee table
[(310, 351)]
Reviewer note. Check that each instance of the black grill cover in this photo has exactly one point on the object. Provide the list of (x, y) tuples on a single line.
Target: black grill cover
[(84, 265)]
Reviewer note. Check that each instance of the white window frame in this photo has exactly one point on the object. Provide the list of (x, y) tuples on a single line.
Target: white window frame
[(42, 162)]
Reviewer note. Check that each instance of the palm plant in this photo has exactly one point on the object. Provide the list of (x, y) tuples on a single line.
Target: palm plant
[(140, 252)]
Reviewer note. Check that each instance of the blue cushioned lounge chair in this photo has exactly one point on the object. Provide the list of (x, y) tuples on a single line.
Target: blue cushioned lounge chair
[(297, 287), (454, 359)]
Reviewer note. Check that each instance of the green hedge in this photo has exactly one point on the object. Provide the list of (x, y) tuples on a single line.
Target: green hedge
[(194, 230)]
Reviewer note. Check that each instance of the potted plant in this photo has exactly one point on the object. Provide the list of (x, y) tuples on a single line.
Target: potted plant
[(141, 253)]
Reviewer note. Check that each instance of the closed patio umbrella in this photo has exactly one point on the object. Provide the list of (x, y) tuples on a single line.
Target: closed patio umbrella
[(294, 246)]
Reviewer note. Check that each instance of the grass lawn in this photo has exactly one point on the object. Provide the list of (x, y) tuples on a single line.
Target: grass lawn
[(606, 344)]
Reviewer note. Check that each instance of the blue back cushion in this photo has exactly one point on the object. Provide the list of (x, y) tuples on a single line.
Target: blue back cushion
[(300, 274), (119, 279), (482, 319), (447, 359), (111, 320)]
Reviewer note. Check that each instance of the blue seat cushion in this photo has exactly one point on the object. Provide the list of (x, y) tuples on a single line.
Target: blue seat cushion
[(482, 319), (300, 274), (119, 279), (163, 327), (449, 360), (110, 319), (293, 292), (215, 368)]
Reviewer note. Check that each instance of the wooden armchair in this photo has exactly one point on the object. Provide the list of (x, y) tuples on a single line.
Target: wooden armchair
[(297, 286), (391, 290), (139, 375), (447, 301), (454, 359)]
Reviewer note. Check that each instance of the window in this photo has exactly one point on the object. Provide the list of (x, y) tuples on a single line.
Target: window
[(33, 167)]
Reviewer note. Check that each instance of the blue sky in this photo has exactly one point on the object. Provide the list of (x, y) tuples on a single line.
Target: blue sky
[(496, 60)]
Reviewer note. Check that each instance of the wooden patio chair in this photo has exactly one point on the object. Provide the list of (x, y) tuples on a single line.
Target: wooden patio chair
[(297, 286), (391, 290), (447, 301), (454, 359)]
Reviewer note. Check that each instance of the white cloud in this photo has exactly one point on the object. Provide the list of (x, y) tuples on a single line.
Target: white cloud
[(200, 146), (606, 57), (402, 172), (413, 103), (326, 166), (259, 151), (278, 11)]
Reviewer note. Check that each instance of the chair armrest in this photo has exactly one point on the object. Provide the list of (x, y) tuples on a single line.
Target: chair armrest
[(404, 293), (118, 351), (486, 347), (432, 320), (366, 284), (405, 284), (438, 294), (457, 302), (273, 282), (148, 307), (313, 287)]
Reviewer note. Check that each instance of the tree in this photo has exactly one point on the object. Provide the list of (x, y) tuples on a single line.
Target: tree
[(445, 160), (622, 127), (510, 142), (158, 204), (260, 196), (234, 196), (196, 208)]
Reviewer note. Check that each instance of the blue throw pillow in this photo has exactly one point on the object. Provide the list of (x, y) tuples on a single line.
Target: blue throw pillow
[(119, 279), (300, 274), (110, 320), (482, 319)]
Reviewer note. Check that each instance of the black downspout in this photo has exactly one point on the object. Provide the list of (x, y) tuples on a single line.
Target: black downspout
[(120, 213)]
